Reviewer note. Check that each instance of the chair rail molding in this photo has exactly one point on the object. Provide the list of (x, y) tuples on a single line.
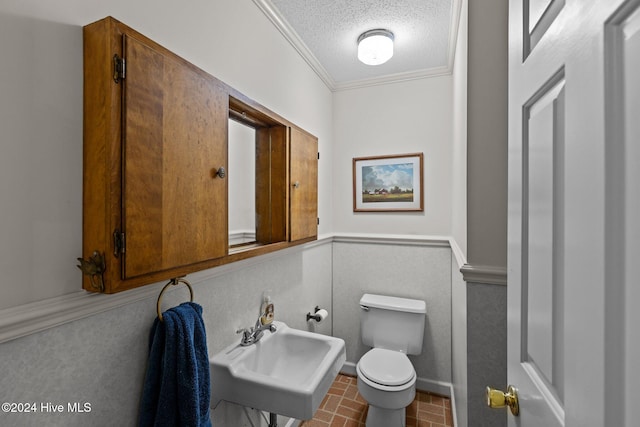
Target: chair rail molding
[(22, 320), (484, 274)]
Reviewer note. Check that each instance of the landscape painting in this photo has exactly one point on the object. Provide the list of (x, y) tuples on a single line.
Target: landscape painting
[(388, 183)]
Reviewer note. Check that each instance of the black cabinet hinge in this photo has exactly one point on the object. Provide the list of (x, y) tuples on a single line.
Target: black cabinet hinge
[(318, 221), (118, 243), (318, 155), (119, 68)]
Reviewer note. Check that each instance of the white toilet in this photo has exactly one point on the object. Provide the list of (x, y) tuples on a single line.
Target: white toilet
[(394, 327)]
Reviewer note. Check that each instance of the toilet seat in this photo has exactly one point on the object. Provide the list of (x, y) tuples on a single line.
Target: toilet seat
[(386, 367)]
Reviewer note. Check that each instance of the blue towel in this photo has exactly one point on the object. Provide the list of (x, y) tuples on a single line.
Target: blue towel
[(177, 389)]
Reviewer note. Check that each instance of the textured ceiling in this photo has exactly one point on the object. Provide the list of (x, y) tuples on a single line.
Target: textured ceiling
[(325, 32)]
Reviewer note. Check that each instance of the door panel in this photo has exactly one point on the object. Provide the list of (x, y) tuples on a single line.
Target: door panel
[(142, 164), (538, 16), (304, 191), (536, 251), (175, 130), (574, 163), (622, 50), (631, 30), (536, 10), (542, 287)]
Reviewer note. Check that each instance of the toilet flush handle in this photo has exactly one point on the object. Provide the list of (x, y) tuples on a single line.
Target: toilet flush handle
[(364, 307)]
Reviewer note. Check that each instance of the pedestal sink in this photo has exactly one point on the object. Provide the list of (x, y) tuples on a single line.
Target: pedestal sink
[(288, 372)]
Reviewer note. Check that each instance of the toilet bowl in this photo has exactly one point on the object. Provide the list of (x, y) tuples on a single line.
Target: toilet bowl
[(387, 381), (394, 327)]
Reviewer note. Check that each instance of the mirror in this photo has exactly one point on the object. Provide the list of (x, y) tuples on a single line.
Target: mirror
[(257, 187), (242, 185)]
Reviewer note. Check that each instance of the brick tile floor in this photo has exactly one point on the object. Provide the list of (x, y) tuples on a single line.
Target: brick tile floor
[(344, 407)]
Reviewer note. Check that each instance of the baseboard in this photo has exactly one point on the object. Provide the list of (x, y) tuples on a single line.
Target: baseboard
[(293, 423), (349, 368), (454, 413), (440, 388)]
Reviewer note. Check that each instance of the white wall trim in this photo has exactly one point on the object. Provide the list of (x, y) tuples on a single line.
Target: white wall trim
[(392, 78), (454, 413), (16, 322), (292, 37), (460, 257), (282, 25), (392, 239), (484, 274), (453, 32), (438, 387), (241, 236)]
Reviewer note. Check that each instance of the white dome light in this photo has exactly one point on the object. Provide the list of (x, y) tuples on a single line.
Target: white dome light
[(375, 47)]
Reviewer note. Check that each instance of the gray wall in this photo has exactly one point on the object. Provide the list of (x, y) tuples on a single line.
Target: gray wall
[(487, 133), (41, 149), (409, 271), (486, 351), (41, 93), (101, 359), (487, 124)]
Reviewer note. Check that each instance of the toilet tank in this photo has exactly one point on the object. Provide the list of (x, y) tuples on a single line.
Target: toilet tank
[(392, 323)]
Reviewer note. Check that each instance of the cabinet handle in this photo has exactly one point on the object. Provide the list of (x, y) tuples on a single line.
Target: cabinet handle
[(296, 184), (221, 172)]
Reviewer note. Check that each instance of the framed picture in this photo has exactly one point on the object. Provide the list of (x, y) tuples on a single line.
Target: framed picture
[(388, 183)]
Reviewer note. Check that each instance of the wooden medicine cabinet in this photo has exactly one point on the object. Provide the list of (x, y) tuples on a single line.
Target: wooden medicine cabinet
[(156, 148)]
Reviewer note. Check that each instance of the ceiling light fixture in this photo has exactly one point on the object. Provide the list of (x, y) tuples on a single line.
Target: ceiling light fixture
[(375, 47)]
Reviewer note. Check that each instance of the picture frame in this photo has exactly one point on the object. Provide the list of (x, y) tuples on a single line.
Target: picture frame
[(391, 183)]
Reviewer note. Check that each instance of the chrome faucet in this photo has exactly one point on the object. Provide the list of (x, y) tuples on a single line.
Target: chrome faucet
[(253, 334)]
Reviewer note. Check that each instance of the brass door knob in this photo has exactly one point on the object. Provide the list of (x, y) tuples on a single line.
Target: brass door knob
[(500, 399)]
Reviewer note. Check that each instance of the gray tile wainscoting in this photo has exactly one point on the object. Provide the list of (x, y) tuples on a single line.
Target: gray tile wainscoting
[(486, 351), (101, 358), (420, 271)]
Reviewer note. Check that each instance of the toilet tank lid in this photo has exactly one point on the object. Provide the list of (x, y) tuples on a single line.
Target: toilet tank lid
[(393, 303)]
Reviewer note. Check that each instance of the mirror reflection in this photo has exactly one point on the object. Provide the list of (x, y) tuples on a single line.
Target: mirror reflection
[(241, 185)]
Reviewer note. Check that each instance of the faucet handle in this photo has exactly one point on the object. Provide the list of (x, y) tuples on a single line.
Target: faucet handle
[(244, 331), (246, 336)]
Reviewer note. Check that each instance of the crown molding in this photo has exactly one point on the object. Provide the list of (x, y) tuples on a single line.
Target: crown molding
[(279, 21), (292, 37), (393, 78), (454, 30)]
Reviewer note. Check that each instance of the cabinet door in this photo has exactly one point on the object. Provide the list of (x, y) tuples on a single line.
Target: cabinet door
[(174, 205), (304, 185), (271, 184)]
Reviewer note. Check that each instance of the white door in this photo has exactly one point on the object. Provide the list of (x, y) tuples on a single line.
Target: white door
[(574, 212)]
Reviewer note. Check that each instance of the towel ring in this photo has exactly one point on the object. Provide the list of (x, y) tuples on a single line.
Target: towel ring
[(171, 282)]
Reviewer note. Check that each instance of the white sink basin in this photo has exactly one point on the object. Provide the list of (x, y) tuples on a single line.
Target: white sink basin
[(288, 372)]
